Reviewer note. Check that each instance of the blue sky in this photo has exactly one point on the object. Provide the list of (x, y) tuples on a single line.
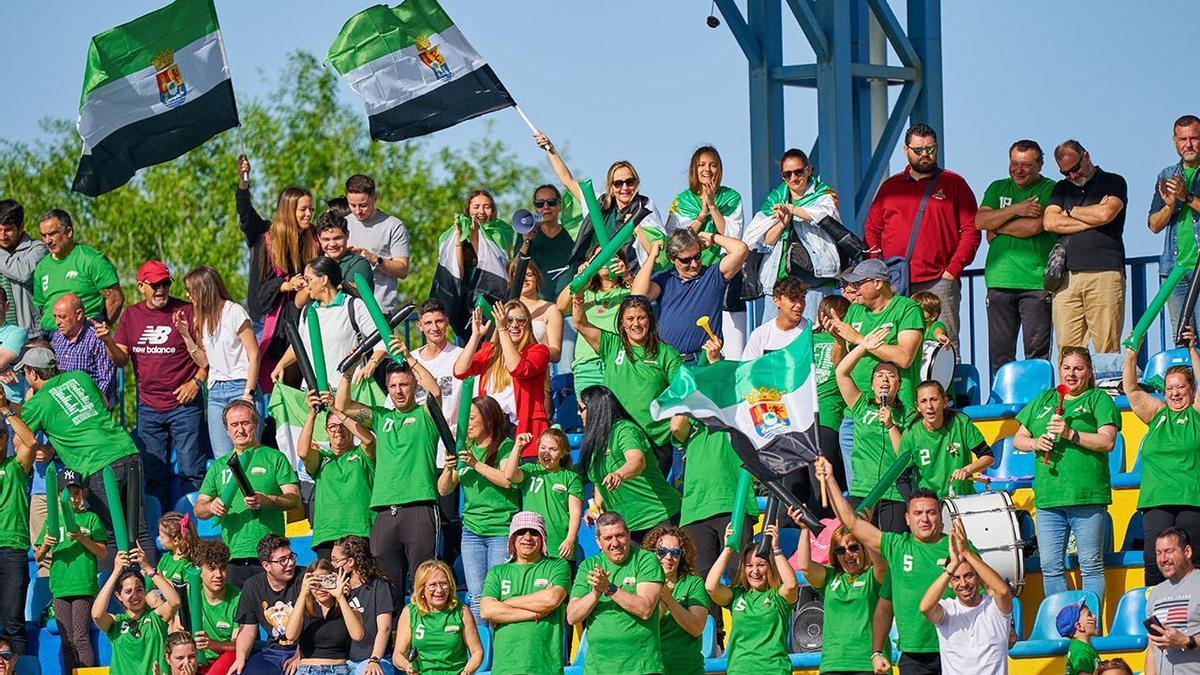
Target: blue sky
[(648, 81)]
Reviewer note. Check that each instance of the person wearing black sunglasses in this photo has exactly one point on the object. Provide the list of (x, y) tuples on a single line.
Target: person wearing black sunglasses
[(8, 657), (550, 244), (683, 602), (1087, 212)]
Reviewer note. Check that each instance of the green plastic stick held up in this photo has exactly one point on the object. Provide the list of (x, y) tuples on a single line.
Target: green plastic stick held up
[(377, 317), (737, 513), (116, 510), (195, 595), (593, 211), (318, 348), (52, 503), (603, 258), (464, 413), (887, 480), (227, 492), (1155, 306), (68, 512), (482, 303)]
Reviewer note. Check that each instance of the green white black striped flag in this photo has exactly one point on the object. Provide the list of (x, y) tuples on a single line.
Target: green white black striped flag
[(414, 70), (153, 89)]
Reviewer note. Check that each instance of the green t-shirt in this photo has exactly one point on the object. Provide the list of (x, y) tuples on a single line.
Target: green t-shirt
[(873, 453), (14, 504), (1017, 263), (219, 620), (405, 468), (268, 470), (931, 329), (941, 452), (73, 567), (913, 567), (1081, 658), (487, 507), (1171, 459), (646, 499), (710, 476), (900, 314), (1074, 476), (528, 646), (758, 640), (830, 406), (342, 502), (548, 493), (602, 308), (849, 604), (174, 569), (136, 652), (619, 642), (84, 272), (70, 410), (351, 264), (439, 640), (639, 380), (1185, 231), (680, 649)]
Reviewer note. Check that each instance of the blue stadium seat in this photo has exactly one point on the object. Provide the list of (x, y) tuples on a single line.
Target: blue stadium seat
[(587, 539), (566, 414), (1012, 469), (708, 639), (1019, 382), (1116, 457), (1044, 639), (28, 665), (1018, 614), (1134, 539), (206, 529), (37, 596), (154, 512), (576, 667), (1127, 633), (1157, 365), (789, 540), (1133, 478), (805, 659), (302, 547), (49, 652), (485, 637), (965, 385)]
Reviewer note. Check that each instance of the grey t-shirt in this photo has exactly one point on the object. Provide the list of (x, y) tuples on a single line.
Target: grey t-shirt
[(383, 235), (1177, 605)]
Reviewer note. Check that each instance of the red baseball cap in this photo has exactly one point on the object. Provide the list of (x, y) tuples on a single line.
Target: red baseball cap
[(152, 272)]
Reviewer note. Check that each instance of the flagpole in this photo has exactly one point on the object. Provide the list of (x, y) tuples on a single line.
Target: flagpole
[(526, 119), (242, 150)]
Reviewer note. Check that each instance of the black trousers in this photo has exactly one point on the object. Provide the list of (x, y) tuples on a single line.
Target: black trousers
[(240, 569), (1013, 310), (636, 536), (920, 663), (14, 584), (708, 537), (74, 616), (888, 515), (1159, 518), (98, 504), (451, 523), (403, 537)]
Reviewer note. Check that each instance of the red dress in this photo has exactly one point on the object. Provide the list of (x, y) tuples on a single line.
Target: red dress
[(528, 384)]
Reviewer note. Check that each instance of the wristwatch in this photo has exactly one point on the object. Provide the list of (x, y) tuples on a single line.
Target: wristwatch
[(1187, 199), (373, 659), (612, 588), (1191, 643)]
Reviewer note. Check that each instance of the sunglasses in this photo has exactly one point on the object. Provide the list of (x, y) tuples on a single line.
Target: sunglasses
[(165, 283), (519, 318), (842, 550), (664, 552), (630, 182), (924, 150), (528, 532), (6, 656), (687, 260), (541, 203), (1068, 172), (795, 173)]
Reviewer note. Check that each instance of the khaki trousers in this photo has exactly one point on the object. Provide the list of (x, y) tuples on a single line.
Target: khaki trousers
[(1090, 307)]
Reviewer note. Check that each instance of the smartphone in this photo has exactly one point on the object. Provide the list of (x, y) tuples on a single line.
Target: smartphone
[(1153, 625), (328, 582)]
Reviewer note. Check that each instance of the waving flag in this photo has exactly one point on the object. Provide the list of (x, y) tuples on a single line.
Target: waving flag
[(414, 70), (153, 89)]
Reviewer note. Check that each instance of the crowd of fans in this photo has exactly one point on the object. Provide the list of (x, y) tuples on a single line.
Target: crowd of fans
[(393, 510)]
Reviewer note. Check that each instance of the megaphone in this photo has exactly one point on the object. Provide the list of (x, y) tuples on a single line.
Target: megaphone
[(525, 220)]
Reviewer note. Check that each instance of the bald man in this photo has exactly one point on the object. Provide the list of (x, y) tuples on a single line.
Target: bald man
[(77, 348)]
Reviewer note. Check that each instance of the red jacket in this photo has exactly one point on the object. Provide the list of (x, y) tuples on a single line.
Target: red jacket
[(948, 239), (529, 387)]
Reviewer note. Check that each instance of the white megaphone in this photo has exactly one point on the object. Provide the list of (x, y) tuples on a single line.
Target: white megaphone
[(525, 220)]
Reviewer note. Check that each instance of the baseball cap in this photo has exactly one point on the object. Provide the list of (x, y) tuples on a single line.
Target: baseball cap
[(526, 520), (69, 477), (37, 357), (1067, 618), (871, 268), (152, 272)]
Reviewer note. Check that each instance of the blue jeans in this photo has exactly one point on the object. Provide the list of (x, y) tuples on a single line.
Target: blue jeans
[(1175, 303), (480, 554), (339, 669), (1053, 528), (178, 430), (358, 667), (219, 394), (846, 444), (269, 661)]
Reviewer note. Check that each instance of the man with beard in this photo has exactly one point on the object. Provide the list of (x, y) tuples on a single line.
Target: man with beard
[(932, 225), (19, 255), (1173, 208), (1175, 606), (1087, 211)]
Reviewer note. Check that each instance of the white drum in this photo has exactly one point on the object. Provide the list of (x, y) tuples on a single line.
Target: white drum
[(937, 363), (990, 522)]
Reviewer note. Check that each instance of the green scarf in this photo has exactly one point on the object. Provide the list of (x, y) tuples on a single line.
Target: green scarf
[(780, 195), (688, 205), (497, 231)]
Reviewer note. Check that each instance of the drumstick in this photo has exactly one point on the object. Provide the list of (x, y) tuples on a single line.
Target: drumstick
[(824, 495), (703, 323)]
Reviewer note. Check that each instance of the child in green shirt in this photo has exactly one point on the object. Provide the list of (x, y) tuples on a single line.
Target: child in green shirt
[(931, 309), (1078, 623), (177, 536)]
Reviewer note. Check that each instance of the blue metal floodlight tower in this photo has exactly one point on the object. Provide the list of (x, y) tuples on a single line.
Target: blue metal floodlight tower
[(856, 131)]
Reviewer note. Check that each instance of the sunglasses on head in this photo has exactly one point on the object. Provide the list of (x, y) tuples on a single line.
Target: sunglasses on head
[(795, 173), (842, 550), (663, 552), (631, 182), (541, 203), (923, 150)]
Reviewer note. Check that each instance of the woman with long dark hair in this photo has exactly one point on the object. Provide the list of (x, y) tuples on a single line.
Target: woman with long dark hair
[(371, 592), (138, 634), (616, 458), (324, 625), (473, 256), (683, 603), (278, 250), (489, 499)]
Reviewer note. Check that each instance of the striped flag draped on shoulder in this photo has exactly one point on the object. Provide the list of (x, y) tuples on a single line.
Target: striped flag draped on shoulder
[(414, 70), (153, 89)]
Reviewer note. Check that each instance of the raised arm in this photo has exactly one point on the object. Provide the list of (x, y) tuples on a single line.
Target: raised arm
[(510, 466), (814, 573), (863, 531), (479, 328), (559, 166), (304, 445), (789, 588), (586, 330), (846, 385), (1143, 404), (100, 615), (992, 581), (717, 591), (735, 256), (642, 285), (424, 378), (295, 623), (493, 475)]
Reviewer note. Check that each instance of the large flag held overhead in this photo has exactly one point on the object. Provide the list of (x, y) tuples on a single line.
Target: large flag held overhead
[(415, 70), (153, 89), (768, 405), (455, 287)]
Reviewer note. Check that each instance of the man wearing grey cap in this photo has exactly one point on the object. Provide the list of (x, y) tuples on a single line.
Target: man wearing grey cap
[(70, 410)]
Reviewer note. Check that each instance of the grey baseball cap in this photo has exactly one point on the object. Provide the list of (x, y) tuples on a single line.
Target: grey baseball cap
[(871, 268), (37, 357)]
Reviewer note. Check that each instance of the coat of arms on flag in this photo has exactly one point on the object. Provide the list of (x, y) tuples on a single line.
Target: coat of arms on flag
[(172, 90), (768, 412)]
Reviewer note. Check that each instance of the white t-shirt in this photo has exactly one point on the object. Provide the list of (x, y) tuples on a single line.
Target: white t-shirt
[(337, 331), (383, 235), (770, 337), (442, 369), (227, 359), (974, 639)]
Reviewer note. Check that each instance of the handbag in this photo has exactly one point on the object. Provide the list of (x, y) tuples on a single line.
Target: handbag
[(850, 246), (898, 268), (1055, 275)]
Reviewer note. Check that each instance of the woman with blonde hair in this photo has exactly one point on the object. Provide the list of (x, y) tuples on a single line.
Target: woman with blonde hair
[(547, 319), (436, 635), (324, 625), (278, 250), (226, 347), (511, 368)]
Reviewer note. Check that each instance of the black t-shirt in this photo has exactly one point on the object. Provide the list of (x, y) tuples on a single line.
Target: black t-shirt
[(325, 637), (269, 609), (1099, 249), (553, 258), (371, 599)]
